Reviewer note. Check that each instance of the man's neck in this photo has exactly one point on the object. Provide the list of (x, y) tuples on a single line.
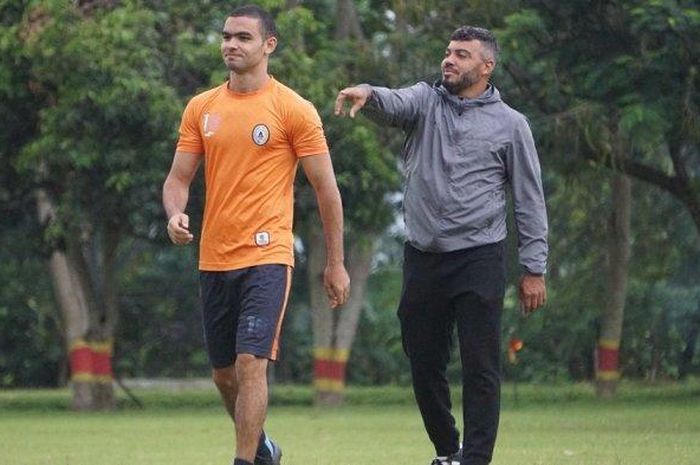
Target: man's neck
[(247, 82), (475, 90)]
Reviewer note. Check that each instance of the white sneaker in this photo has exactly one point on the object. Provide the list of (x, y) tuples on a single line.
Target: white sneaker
[(454, 459)]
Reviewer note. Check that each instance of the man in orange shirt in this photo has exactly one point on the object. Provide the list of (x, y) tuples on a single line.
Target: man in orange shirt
[(251, 132)]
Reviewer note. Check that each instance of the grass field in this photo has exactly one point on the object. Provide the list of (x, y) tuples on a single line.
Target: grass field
[(549, 426)]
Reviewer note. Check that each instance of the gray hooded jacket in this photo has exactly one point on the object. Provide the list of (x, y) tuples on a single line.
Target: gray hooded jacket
[(459, 155)]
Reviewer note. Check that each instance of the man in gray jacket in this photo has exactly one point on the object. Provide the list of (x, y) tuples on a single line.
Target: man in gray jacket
[(464, 145)]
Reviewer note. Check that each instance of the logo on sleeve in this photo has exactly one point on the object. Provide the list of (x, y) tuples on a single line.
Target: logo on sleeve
[(261, 134), (211, 123)]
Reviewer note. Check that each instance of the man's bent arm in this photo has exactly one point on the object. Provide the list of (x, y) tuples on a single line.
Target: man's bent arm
[(319, 172), (176, 191)]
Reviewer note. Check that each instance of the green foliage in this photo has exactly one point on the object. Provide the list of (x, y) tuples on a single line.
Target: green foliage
[(30, 343), (160, 332), (91, 102), (603, 83), (643, 125), (109, 115), (377, 357), (365, 170), (93, 120)]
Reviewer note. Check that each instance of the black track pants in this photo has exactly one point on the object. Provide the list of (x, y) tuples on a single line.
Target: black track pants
[(440, 290)]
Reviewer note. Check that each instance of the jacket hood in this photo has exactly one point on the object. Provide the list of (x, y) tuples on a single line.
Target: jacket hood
[(490, 95)]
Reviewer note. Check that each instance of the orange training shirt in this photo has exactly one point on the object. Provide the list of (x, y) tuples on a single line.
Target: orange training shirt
[(251, 143)]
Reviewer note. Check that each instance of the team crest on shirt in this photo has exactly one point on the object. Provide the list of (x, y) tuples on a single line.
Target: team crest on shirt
[(261, 134), (211, 123)]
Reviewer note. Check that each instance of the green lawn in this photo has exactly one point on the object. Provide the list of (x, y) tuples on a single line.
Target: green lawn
[(635, 430)]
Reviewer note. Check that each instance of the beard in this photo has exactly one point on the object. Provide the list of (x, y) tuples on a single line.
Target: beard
[(464, 81), (235, 66)]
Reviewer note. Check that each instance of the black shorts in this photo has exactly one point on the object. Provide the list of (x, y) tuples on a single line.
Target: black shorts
[(243, 310)]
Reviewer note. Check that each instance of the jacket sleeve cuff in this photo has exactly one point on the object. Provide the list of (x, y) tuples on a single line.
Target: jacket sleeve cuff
[(532, 272)]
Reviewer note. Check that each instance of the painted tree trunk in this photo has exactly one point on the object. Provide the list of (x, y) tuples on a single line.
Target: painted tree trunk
[(607, 353), (87, 333), (334, 330)]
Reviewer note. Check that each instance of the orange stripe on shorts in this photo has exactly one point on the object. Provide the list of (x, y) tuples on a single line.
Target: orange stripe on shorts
[(276, 341)]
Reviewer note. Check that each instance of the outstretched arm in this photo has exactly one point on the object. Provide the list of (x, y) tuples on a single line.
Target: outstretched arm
[(393, 107), (319, 172), (176, 191), (357, 96)]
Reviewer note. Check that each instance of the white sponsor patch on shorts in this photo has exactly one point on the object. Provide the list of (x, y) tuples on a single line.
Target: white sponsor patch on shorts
[(262, 238)]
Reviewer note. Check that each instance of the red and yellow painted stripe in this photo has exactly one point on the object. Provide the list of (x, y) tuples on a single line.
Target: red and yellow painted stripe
[(329, 368), (515, 345), (608, 358), (91, 362)]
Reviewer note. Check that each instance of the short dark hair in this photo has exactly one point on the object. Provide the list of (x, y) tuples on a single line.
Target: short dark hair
[(267, 23), (466, 33)]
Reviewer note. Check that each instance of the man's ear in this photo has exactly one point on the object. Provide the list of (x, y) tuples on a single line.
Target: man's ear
[(489, 65), (270, 45)]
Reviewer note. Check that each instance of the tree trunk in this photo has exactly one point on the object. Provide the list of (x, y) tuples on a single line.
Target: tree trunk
[(686, 358), (659, 345), (347, 23), (607, 354), (334, 330), (323, 319), (87, 337)]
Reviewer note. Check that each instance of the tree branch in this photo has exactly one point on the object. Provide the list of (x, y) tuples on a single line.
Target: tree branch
[(645, 173), (522, 80), (678, 165)]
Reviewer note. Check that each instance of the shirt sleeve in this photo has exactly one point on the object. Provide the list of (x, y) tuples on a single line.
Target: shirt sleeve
[(528, 199), (397, 107), (306, 130), (190, 136)]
